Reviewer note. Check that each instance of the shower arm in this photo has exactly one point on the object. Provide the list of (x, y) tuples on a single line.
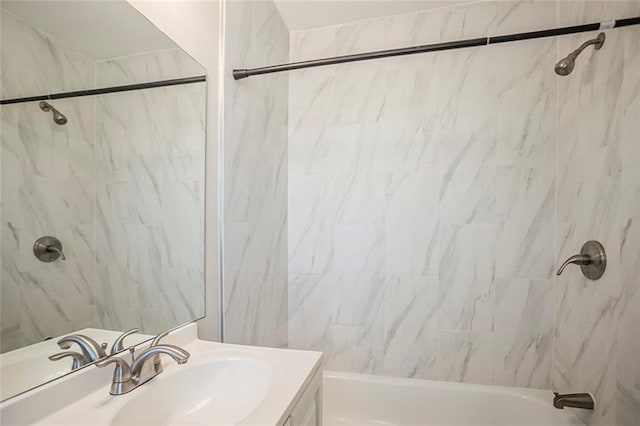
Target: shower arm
[(598, 42)]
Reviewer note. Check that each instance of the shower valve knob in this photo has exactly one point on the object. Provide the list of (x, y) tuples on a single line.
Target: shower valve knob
[(592, 260), (48, 249)]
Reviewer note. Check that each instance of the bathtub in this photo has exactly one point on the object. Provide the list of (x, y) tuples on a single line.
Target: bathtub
[(359, 399)]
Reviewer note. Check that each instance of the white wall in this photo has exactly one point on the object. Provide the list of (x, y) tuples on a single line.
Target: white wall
[(195, 27)]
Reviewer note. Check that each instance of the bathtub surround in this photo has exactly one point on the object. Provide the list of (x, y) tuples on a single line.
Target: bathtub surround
[(436, 212), (105, 185), (255, 179), (431, 197)]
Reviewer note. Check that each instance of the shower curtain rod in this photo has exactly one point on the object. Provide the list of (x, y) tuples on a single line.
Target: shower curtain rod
[(239, 74), (105, 90)]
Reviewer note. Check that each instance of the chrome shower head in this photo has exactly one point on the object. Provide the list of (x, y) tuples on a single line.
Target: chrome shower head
[(58, 117), (566, 65)]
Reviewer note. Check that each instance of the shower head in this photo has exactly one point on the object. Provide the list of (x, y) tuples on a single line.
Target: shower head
[(58, 117), (566, 65)]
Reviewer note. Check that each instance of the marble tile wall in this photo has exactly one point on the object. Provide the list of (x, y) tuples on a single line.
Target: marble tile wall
[(595, 345), (149, 195), (25, 48), (255, 178), (150, 66), (48, 188), (432, 196)]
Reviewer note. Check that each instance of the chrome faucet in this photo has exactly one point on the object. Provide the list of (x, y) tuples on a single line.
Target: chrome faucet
[(128, 377), (91, 349), (575, 400)]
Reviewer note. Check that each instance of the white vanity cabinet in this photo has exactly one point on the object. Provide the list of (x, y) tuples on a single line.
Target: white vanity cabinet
[(308, 409)]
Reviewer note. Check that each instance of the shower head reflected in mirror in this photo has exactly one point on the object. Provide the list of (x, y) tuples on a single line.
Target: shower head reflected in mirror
[(566, 65), (58, 117)]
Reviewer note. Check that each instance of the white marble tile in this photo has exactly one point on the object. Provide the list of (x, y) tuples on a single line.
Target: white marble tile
[(29, 50), (357, 348), (467, 136), (466, 276), (118, 304), (526, 101), (411, 320), (586, 11), (412, 29), (468, 21), (358, 268), (411, 225), (522, 16), (464, 357), (256, 187), (310, 316), (142, 68), (627, 401), (525, 205), (360, 199), (310, 225), (522, 340), (358, 37), (312, 44)]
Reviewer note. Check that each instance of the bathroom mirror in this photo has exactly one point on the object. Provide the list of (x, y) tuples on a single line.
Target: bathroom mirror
[(102, 183)]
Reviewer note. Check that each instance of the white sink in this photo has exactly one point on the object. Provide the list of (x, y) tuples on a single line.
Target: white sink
[(226, 389), (220, 384)]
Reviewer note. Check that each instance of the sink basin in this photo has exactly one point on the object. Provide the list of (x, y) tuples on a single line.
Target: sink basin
[(224, 390)]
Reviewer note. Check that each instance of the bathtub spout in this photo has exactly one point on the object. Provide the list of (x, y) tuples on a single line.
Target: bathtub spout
[(574, 400)]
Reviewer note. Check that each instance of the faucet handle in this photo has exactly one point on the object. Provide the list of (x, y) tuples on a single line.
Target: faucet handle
[(118, 344), (78, 359), (577, 259), (592, 260), (156, 340)]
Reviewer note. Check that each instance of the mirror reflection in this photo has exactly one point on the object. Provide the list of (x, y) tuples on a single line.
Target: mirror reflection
[(102, 192)]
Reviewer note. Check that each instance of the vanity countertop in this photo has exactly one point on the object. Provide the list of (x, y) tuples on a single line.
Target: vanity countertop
[(220, 384)]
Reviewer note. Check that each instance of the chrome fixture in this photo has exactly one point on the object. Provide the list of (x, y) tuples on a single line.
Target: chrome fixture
[(48, 249), (157, 364), (58, 117), (78, 359), (592, 260), (91, 349), (128, 377), (118, 345), (574, 400), (566, 65)]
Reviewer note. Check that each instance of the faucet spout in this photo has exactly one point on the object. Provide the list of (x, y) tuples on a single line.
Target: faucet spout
[(178, 354), (91, 349), (574, 400)]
